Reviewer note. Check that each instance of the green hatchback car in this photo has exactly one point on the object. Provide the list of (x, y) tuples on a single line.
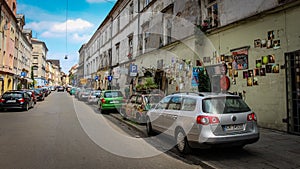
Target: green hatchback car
[(110, 100)]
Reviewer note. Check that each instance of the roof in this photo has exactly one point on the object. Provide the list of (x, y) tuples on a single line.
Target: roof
[(54, 62)]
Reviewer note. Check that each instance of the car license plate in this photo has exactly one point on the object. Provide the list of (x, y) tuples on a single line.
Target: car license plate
[(234, 127), (11, 101), (114, 101)]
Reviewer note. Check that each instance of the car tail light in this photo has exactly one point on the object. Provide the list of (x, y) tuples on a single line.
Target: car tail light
[(206, 120), (2, 100), (251, 117), (103, 100), (21, 100)]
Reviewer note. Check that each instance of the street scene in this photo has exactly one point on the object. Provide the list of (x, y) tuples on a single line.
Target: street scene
[(150, 84), (54, 134)]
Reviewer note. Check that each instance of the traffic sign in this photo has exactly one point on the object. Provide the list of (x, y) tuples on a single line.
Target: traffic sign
[(109, 78), (96, 78), (133, 70)]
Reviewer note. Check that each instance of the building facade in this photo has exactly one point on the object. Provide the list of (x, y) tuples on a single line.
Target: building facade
[(247, 48), (39, 54)]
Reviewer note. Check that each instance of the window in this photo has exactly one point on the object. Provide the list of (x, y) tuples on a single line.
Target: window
[(163, 103), (117, 51), (189, 104), (167, 25), (212, 19), (118, 24), (130, 46), (175, 103)]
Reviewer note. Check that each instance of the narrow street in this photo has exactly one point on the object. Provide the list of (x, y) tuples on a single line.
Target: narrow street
[(51, 136)]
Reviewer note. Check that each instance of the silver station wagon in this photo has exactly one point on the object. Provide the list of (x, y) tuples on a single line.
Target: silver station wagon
[(204, 120)]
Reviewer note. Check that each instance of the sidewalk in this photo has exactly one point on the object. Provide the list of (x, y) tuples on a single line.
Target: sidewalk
[(275, 149)]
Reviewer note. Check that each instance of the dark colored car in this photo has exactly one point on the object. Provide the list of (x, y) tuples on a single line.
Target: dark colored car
[(60, 89), (40, 95), (110, 100), (16, 100), (33, 94)]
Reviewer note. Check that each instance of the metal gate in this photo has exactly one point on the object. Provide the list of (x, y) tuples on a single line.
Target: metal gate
[(292, 61)]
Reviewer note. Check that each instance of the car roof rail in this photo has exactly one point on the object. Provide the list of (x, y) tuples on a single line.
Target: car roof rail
[(187, 93)]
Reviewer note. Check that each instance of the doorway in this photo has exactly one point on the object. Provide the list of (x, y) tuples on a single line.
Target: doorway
[(292, 60)]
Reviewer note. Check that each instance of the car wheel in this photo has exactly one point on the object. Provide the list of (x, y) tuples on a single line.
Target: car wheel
[(149, 127), (123, 113), (182, 142), (26, 108)]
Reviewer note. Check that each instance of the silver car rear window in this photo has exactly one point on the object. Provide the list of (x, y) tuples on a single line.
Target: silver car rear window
[(224, 105)]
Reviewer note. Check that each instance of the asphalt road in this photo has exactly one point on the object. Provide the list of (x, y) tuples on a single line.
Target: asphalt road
[(62, 132)]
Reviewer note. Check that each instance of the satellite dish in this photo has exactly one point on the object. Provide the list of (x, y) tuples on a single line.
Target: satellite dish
[(66, 56)]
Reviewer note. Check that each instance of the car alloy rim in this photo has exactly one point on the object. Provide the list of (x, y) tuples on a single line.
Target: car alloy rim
[(180, 141)]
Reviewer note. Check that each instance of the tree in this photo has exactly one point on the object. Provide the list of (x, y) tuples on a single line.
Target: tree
[(204, 81)]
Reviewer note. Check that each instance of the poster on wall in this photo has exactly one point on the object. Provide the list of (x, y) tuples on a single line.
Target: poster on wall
[(240, 58), (195, 81)]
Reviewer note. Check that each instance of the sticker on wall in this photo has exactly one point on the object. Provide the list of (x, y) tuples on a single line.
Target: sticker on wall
[(276, 44), (258, 63), (262, 71), (268, 68), (256, 72), (271, 35), (245, 74), (269, 44), (263, 43), (257, 43), (255, 81), (275, 68), (249, 81), (265, 60), (250, 73), (271, 58)]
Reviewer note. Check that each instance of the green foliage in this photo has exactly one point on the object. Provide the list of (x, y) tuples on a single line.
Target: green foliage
[(149, 84)]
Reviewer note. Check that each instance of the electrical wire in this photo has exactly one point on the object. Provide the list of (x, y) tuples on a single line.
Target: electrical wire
[(66, 56)]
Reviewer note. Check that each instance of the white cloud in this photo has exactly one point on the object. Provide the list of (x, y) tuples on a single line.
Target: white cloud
[(80, 38), (49, 29), (77, 25)]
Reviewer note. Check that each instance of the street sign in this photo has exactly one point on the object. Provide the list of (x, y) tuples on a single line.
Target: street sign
[(133, 70), (109, 78), (23, 74), (96, 78)]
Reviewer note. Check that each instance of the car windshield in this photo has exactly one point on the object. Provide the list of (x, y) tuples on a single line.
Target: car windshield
[(152, 99), (111, 94), (12, 95), (224, 105)]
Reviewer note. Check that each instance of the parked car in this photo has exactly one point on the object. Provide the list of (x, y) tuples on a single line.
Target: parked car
[(137, 106), (93, 97), (60, 89), (40, 94), (73, 91), (202, 120), (77, 92), (16, 100), (32, 94), (84, 94), (110, 100)]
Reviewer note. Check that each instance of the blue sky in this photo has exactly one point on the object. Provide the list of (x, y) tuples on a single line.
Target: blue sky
[(47, 20)]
